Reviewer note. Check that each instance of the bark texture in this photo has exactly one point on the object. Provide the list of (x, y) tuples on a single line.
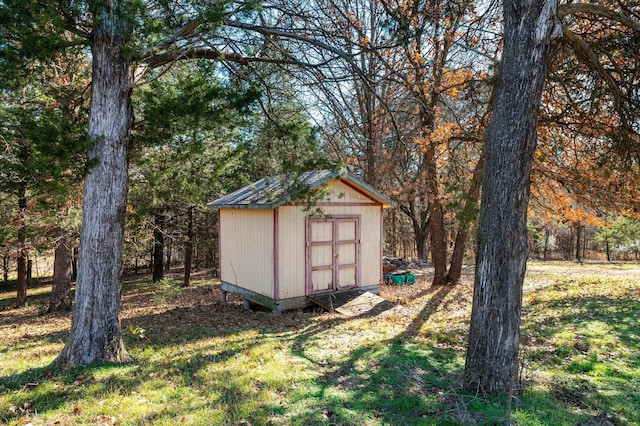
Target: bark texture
[(530, 26), (95, 329), (60, 299)]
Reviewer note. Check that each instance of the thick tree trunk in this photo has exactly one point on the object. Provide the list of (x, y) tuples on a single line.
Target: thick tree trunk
[(60, 299), (438, 242), (188, 249), (502, 246), (158, 247), (95, 329)]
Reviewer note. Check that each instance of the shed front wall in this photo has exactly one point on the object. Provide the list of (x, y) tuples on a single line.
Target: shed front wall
[(291, 245), (247, 249)]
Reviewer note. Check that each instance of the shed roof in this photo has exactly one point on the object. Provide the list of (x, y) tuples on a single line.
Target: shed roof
[(272, 192)]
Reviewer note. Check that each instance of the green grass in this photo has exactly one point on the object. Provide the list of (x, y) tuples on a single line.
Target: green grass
[(198, 362)]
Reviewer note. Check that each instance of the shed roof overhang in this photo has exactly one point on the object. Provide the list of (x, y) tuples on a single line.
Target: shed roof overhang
[(275, 191)]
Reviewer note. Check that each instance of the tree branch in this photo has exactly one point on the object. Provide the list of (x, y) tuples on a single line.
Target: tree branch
[(585, 52), (595, 9), (268, 31)]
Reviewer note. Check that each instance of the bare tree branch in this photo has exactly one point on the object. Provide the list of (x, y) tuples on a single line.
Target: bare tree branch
[(595, 9)]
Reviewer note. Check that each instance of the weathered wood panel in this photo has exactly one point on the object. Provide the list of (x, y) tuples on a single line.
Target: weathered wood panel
[(247, 255)]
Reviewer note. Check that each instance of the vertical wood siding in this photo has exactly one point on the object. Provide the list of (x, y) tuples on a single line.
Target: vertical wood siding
[(246, 254), (342, 193), (291, 233)]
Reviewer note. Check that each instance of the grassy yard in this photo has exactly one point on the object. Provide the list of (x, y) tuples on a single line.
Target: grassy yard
[(198, 362)]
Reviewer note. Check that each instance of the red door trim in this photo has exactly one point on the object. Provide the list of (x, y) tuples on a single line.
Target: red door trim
[(276, 255), (335, 242)]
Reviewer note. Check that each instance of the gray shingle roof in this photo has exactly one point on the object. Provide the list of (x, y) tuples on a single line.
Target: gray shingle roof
[(272, 192)]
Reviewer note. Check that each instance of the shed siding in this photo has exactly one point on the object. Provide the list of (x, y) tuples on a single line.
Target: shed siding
[(291, 243), (342, 193), (247, 249), (291, 234)]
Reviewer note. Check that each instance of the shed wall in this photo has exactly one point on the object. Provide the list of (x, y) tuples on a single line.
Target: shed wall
[(291, 240), (342, 193), (246, 255)]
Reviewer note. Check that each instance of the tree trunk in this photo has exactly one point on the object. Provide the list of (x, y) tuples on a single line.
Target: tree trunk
[(502, 244), (167, 265), (578, 241), (61, 289), (545, 249), (21, 266), (467, 216), (29, 270), (137, 259), (420, 222), (158, 247), (5, 267), (21, 258), (95, 328), (74, 264), (188, 249), (438, 241)]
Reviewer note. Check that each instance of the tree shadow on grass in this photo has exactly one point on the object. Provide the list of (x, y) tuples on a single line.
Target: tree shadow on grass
[(186, 335), (393, 380), (220, 357), (593, 340)]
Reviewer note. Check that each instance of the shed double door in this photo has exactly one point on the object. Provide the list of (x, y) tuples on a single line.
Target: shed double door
[(332, 253)]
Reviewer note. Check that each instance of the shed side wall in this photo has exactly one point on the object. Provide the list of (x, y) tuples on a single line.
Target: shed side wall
[(246, 249)]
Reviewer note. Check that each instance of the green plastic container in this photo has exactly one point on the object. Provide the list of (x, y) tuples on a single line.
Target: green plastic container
[(410, 278), (398, 279)]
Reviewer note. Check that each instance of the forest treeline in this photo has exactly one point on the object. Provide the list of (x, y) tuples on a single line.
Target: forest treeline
[(142, 112)]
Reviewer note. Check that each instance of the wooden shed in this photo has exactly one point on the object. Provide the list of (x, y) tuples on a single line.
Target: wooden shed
[(276, 251)]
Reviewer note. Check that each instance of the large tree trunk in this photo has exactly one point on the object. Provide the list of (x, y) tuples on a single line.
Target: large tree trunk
[(95, 329), (188, 249), (502, 246), (60, 299)]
